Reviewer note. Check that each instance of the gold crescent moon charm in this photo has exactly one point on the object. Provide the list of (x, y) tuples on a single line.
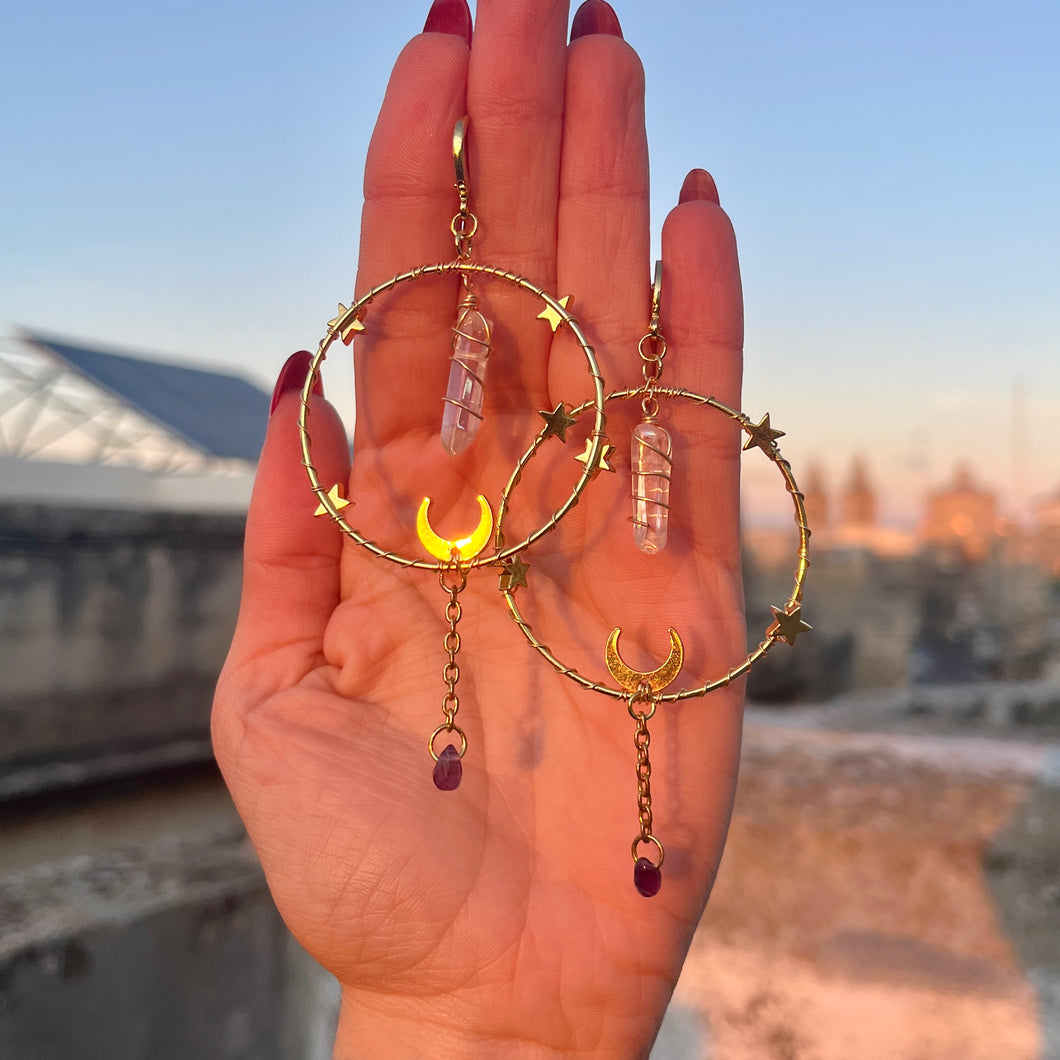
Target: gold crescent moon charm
[(464, 548), (631, 680)]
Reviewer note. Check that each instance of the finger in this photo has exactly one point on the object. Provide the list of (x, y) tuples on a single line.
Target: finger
[(702, 319), (603, 211), (515, 102), (402, 359), (290, 558), (702, 301)]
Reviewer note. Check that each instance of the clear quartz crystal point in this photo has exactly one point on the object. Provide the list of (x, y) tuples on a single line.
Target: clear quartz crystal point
[(650, 459), (467, 380)]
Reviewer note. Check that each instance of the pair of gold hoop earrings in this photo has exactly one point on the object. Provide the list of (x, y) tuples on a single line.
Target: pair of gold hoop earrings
[(651, 457)]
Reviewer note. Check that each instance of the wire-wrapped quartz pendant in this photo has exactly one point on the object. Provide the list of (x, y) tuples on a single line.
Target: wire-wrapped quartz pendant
[(472, 334), (651, 459)]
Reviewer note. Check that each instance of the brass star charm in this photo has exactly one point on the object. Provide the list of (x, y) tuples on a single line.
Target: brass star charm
[(788, 624), (557, 422), (337, 496), (514, 574), (551, 316), (351, 329), (762, 435), (601, 464)]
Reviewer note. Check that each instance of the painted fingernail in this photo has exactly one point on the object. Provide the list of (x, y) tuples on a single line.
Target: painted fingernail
[(699, 184), (595, 16), (449, 16), (292, 377)]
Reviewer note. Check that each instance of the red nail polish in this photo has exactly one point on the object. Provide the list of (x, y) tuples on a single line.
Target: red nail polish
[(449, 16), (292, 377), (699, 184), (595, 16)]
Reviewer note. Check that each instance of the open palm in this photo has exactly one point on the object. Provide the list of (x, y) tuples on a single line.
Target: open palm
[(500, 917)]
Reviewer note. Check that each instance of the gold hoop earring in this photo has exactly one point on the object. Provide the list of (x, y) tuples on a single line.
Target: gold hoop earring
[(451, 559), (643, 691)]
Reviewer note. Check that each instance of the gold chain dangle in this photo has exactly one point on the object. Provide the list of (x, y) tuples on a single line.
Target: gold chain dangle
[(647, 875), (452, 576), (651, 447), (642, 697), (448, 769)]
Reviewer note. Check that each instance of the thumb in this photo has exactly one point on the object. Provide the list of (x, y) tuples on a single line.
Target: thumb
[(290, 558)]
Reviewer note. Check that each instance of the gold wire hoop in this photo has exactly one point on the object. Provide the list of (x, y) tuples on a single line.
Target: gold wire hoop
[(803, 563), (349, 320), (444, 727), (654, 842)]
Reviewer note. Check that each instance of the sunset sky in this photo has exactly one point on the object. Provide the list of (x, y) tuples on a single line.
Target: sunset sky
[(174, 175)]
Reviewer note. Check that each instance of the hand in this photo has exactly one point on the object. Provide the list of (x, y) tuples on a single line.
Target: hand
[(500, 918)]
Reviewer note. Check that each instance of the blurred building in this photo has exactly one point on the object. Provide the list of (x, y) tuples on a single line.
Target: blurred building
[(816, 499), (82, 426), (1044, 537), (969, 595), (857, 525), (961, 516), (857, 502)]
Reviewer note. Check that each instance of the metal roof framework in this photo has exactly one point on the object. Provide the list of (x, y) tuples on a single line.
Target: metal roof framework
[(73, 404)]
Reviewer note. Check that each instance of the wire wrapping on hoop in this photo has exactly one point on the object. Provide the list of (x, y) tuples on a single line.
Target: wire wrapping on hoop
[(355, 312)]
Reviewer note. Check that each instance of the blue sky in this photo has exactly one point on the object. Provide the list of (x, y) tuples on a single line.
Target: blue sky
[(174, 176)]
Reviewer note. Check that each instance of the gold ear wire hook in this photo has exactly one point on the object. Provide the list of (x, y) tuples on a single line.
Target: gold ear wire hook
[(656, 298), (460, 160), (464, 224), (652, 347)]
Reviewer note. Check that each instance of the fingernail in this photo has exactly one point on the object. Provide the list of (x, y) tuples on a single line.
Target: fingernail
[(699, 184), (595, 16), (292, 377), (449, 16)]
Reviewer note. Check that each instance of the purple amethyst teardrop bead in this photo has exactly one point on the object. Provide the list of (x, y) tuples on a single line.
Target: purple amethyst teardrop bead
[(448, 770), (647, 878)]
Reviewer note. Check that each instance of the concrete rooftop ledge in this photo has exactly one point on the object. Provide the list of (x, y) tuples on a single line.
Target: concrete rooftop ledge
[(982, 756)]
